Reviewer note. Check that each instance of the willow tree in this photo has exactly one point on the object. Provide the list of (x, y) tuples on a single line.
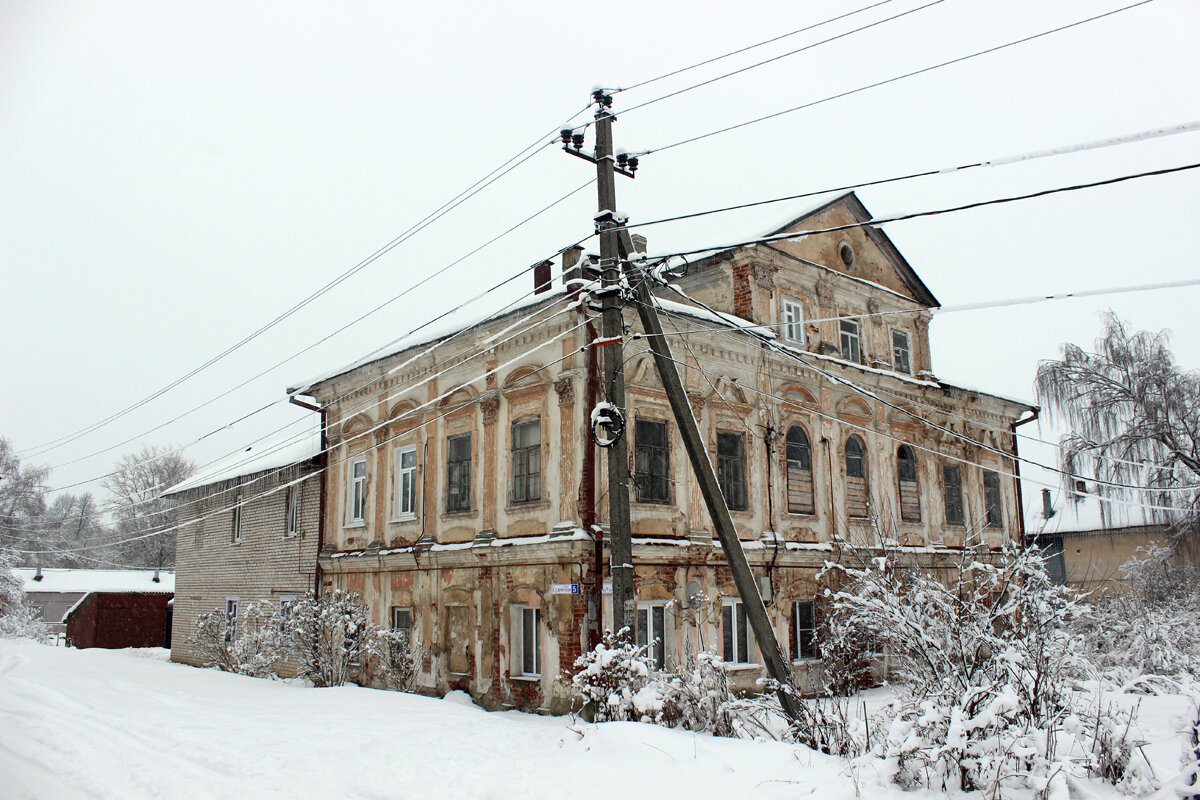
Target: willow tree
[(1134, 421)]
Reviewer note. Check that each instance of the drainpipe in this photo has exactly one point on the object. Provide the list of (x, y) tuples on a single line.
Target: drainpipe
[(324, 460), (1017, 473)]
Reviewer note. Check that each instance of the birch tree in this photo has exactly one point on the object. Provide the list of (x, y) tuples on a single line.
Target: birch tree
[(1134, 421), (140, 512)]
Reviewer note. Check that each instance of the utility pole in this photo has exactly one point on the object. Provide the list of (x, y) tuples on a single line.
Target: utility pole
[(616, 247)]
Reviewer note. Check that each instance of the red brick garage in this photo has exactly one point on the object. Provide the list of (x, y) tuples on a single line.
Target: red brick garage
[(120, 619)]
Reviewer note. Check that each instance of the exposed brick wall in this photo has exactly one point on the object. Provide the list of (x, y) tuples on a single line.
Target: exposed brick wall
[(264, 567)]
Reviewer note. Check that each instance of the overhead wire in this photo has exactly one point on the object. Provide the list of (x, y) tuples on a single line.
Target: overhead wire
[(895, 78), (506, 167)]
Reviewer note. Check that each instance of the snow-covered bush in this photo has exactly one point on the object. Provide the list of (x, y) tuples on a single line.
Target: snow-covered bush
[(17, 620), (398, 660), (332, 636), (984, 661), (610, 679), (254, 646), (1152, 629)]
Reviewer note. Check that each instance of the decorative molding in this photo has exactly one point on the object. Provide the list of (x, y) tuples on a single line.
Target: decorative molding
[(490, 406), (565, 389)]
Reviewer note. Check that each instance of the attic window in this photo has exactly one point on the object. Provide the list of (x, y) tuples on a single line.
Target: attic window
[(847, 254)]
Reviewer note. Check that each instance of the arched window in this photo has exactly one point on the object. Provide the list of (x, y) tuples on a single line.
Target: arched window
[(799, 472), (906, 476), (856, 478)]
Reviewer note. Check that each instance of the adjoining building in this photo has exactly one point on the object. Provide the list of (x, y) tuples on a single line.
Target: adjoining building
[(465, 498), (249, 530), (110, 608)]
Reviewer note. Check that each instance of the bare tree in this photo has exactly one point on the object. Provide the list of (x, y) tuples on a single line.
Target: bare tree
[(141, 514), (1134, 417)]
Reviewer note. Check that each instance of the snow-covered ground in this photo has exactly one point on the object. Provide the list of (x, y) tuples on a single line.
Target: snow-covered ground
[(130, 724)]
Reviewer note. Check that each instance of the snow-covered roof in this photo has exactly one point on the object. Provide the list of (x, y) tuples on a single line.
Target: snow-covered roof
[(468, 316), (257, 458), (96, 580)]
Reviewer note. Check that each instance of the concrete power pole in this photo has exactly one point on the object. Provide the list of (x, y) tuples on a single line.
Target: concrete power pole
[(612, 327), (616, 248)]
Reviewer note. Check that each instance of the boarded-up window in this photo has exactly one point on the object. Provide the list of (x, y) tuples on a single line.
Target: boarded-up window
[(952, 483), (459, 635), (910, 494), (799, 472), (856, 478)]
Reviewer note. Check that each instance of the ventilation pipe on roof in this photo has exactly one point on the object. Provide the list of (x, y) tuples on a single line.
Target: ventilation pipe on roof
[(1047, 506), (570, 259), (155, 578), (38, 577)]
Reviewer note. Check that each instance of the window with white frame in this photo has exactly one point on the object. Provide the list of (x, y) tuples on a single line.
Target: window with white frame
[(792, 317), (901, 358), (804, 629), (231, 614), (737, 640), (356, 501), (287, 605), (292, 504), (527, 641), (651, 631), (851, 347), (235, 522), (404, 501), (401, 621)]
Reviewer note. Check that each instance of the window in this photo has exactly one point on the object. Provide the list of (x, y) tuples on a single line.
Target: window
[(527, 641), (287, 605), (856, 478), (651, 633), (900, 353), (737, 641), (804, 629), (652, 461), (527, 461), (991, 499), (458, 472), (235, 529), (799, 472), (404, 501), (910, 493), (952, 483), (231, 613), (358, 489), (793, 321), (731, 468), (292, 502), (851, 351), (401, 622)]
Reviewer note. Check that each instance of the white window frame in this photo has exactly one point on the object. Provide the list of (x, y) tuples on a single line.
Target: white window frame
[(356, 492), (907, 352), (405, 486), (231, 614), (527, 617), (287, 606), (791, 314), (292, 511), (645, 636), (739, 623), (850, 340), (235, 533), (794, 624)]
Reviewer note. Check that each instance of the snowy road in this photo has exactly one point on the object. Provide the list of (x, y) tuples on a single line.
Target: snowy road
[(129, 724)]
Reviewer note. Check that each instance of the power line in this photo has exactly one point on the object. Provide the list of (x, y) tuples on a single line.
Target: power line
[(340, 330), (784, 55), (739, 51), (1113, 141), (896, 78), (937, 212), (508, 166)]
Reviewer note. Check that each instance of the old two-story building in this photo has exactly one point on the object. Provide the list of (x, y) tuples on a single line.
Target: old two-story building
[(249, 530), (466, 499)]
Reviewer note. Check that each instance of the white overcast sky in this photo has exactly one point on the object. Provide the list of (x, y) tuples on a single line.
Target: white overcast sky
[(174, 175)]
